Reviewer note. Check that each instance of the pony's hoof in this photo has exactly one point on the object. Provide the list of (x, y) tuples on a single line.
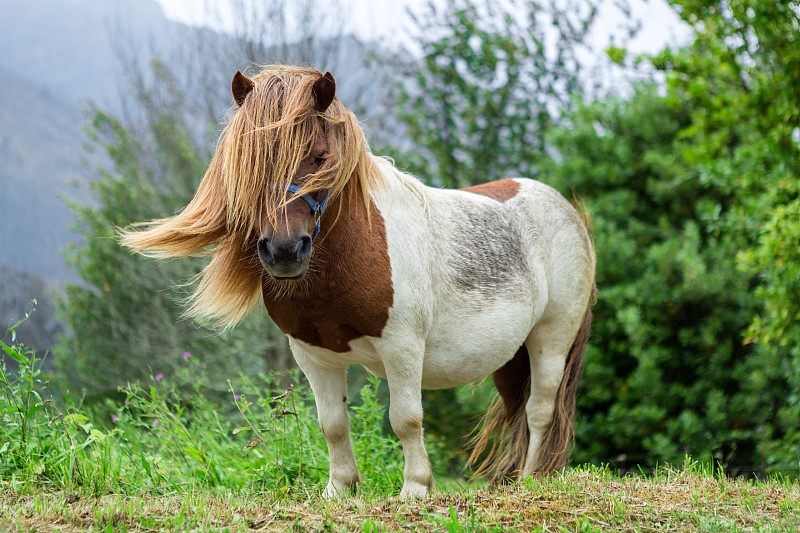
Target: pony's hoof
[(339, 490), (413, 490), (331, 492)]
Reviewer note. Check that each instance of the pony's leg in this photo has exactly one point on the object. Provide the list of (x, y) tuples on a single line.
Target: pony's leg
[(330, 392), (404, 375), (548, 346)]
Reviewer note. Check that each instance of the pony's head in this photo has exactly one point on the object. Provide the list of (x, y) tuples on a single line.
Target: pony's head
[(290, 149), (285, 161)]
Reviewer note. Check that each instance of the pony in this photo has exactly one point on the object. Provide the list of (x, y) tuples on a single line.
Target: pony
[(360, 263)]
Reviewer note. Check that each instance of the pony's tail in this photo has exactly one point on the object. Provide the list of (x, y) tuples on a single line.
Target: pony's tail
[(505, 424)]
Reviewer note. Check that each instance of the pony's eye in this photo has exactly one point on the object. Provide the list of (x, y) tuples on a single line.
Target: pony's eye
[(319, 160)]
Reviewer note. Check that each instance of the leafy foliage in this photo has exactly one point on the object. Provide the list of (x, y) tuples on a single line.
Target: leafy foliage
[(741, 78), (666, 368), (491, 87)]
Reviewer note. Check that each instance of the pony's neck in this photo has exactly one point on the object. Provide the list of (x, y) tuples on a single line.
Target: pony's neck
[(348, 290)]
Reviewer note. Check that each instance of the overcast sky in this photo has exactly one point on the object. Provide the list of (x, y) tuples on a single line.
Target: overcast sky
[(387, 21)]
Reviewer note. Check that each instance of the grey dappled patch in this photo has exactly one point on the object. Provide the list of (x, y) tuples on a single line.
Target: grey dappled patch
[(489, 251)]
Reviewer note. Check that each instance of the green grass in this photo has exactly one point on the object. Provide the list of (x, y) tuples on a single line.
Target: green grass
[(169, 455), (174, 432)]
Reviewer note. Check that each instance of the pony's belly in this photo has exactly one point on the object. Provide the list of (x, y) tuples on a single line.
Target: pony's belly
[(469, 347), (362, 352), (452, 368), (460, 347), (445, 370)]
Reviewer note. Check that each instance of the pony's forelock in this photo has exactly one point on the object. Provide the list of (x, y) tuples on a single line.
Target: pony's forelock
[(262, 147), (259, 153)]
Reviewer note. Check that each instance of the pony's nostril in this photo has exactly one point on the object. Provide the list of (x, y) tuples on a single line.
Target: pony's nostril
[(303, 247), (264, 252)]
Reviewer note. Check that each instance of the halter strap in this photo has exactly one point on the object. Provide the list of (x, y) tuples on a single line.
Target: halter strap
[(317, 208)]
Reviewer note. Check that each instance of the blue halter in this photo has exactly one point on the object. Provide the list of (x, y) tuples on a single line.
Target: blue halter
[(317, 208)]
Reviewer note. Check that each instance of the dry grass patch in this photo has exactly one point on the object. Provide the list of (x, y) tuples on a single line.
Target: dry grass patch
[(583, 499)]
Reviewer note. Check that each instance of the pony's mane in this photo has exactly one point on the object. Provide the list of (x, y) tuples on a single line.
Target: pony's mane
[(258, 154)]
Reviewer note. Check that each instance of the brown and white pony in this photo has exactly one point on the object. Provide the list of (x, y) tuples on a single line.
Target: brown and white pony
[(359, 263)]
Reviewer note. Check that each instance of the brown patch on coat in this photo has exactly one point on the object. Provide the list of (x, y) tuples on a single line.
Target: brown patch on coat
[(348, 290), (500, 190)]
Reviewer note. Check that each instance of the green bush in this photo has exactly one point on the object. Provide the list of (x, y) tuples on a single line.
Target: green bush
[(666, 364)]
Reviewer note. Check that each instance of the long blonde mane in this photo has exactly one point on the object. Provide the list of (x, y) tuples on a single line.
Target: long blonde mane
[(258, 154)]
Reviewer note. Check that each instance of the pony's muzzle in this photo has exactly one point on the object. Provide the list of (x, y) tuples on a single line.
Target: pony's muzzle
[(286, 259)]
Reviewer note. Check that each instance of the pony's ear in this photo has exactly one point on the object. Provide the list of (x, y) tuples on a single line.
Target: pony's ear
[(241, 87), (324, 90)]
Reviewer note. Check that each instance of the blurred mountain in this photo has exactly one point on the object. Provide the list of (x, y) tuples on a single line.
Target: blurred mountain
[(67, 47), (40, 155), (54, 57)]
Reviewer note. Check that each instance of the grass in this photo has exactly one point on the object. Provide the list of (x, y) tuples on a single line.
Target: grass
[(579, 499), (168, 456)]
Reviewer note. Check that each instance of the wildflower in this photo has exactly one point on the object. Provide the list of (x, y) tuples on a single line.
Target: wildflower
[(114, 418), (187, 355), (236, 397), (159, 376), (155, 422)]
